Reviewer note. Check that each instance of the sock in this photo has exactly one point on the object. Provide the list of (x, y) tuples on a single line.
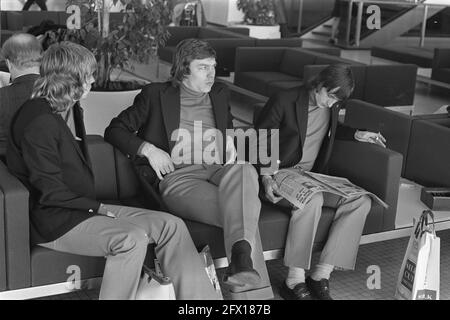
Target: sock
[(295, 276), (322, 271)]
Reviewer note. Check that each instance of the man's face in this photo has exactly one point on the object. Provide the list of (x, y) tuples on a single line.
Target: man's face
[(326, 98), (202, 73)]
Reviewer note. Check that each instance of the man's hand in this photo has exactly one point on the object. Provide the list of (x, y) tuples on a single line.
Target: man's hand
[(371, 137), (270, 187), (159, 160)]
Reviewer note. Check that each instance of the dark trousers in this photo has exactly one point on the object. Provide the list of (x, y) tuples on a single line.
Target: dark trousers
[(40, 3)]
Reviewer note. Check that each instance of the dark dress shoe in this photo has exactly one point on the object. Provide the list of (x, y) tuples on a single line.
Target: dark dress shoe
[(240, 273), (319, 289), (299, 292)]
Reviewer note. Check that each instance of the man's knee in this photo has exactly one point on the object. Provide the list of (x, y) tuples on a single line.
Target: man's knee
[(173, 223), (132, 239), (365, 203), (316, 200), (313, 206), (248, 171)]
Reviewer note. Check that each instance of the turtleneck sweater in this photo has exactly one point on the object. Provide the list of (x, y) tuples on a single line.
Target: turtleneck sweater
[(195, 113)]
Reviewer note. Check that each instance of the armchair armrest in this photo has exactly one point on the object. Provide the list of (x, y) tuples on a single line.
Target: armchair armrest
[(373, 168), (258, 59), (178, 34), (16, 228)]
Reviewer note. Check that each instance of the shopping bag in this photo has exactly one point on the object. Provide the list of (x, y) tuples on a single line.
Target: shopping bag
[(153, 285), (211, 270), (419, 274)]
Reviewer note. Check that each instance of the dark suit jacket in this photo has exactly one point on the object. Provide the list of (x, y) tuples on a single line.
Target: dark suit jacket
[(11, 98), (154, 115), (288, 111), (54, 167)]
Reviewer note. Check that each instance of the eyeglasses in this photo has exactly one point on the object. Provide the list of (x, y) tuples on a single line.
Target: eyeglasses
[(333, 97)]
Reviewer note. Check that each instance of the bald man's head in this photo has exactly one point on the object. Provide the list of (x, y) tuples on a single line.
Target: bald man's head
[(23, 51)]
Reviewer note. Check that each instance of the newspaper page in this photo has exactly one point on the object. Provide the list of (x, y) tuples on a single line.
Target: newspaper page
[(298, 186)]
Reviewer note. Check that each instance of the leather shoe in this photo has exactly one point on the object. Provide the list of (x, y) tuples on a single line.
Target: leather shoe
[(299, 292), (240, 273), (319, 289)]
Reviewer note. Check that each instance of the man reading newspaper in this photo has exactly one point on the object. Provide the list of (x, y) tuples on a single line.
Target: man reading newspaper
[(298, 186), (307, 121)]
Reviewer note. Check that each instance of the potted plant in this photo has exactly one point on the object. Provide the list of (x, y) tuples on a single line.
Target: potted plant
[(135, 36), (260, 17), (118, 40), (258, 12)]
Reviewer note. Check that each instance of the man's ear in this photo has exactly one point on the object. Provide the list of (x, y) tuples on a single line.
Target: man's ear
[(8, 64)]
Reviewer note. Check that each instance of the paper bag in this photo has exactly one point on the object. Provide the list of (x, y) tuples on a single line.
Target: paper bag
[(211, 270), (154, 286), (419, 274)]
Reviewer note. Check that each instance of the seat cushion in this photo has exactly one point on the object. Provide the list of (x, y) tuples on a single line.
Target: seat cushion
[(49, 266), (273, 226), (258, 81)]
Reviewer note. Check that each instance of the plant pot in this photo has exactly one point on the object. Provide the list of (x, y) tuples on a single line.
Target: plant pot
[(262, 32), (100, 107)]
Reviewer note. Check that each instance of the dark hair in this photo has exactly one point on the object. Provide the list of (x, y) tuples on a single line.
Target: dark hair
[(187, 51), (333, 76)]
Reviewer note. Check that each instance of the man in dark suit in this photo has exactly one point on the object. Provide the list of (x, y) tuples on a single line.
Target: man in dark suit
[(22, 53), (168, 131), (307, 121)]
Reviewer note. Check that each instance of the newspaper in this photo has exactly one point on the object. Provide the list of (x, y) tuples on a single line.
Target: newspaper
[(298, 186)]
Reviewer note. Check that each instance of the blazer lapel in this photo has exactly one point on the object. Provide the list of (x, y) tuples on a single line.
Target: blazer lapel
[(72, 139), (334, 121), (81, 132), (220, 109), (301, 109), (170, 108)]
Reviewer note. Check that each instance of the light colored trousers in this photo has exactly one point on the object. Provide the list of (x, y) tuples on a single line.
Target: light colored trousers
[(124, 240), (225, 196), (342, 244)]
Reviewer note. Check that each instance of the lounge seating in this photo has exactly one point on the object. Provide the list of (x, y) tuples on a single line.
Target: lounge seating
[(27, 267), (428, 159), (267, 70), (441, 65), (422, 57), (418, 138), (225, 41)]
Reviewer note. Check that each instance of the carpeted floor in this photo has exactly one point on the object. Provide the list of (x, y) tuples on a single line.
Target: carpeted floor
[(385, 256)]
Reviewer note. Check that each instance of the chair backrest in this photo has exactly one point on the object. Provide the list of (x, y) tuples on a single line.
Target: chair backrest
[(390, 85), (115, 178), (394, 126), (428, 161)]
